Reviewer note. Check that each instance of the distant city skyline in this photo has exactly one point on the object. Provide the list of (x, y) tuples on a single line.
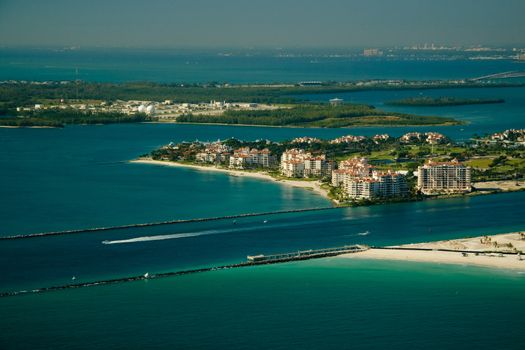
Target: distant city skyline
[(266, 24)]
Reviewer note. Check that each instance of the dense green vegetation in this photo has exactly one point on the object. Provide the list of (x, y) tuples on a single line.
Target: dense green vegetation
[(442, 101), (22, 94), (317, 115), (60, 118)]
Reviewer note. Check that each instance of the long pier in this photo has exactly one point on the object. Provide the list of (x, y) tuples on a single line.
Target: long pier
[(161, 223), (259, 260)]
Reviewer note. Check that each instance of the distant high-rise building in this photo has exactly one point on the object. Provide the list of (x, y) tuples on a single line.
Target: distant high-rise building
[(372, 52)]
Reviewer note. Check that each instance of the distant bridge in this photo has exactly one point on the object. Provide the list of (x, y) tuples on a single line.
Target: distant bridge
[(503, 75)]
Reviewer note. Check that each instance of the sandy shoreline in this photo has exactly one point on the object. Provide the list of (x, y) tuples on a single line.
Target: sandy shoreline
[(502, 185), (504, 243), (314, 186)]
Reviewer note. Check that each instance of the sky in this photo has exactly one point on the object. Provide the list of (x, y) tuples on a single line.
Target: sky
[(260, 23)]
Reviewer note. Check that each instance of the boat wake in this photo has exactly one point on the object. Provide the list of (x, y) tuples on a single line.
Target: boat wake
[(164, 237), (365, 233), (266, 225)]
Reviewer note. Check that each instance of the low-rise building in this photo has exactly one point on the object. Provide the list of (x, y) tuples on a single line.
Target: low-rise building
[(428, 137), (443, 178), (306, 139), (380, 137), (215, 152), (336, 101), (348, 139)]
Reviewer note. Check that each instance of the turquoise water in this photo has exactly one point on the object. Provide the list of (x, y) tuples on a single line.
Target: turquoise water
[(43, 262), (328, 304), (55, 179)]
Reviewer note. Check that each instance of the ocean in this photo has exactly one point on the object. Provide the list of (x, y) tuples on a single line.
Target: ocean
[(79, 176)]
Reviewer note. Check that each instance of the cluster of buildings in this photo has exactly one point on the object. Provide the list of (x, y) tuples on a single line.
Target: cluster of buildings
[(215, 152), (355, 177), (432, 138), (162, 110), (516, 135), (348, 139), (306, 139), (299, 163), (241, 158), (360, 180), (343, 139)]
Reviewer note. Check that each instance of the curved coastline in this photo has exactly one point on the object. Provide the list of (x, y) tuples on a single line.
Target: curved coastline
[(314, 186)]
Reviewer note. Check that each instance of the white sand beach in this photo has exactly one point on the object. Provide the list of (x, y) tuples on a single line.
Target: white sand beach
[(492, 245), (314, 186)]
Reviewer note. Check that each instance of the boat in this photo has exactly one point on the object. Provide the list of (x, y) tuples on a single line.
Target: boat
[(146, 275)]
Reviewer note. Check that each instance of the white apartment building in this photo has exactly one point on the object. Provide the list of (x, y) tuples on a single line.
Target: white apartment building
[(378, 185), (443, 178), (248, 158), (298, 163), (354, 167)]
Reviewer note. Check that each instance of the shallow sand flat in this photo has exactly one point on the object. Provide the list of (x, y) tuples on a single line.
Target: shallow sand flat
[(492, 260), (315, 186), (509, 185)]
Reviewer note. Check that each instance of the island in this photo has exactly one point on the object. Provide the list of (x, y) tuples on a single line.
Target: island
[(426, 101), (59, 103), (358, 170)]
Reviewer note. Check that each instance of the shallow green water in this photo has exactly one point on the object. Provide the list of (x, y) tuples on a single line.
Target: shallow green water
[(329, 303)]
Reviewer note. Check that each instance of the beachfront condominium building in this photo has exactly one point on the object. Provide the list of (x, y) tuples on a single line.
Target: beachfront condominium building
[(298, 163), (359, 180), (443, 178), (245, 157), (379, 185), (354, 167)]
